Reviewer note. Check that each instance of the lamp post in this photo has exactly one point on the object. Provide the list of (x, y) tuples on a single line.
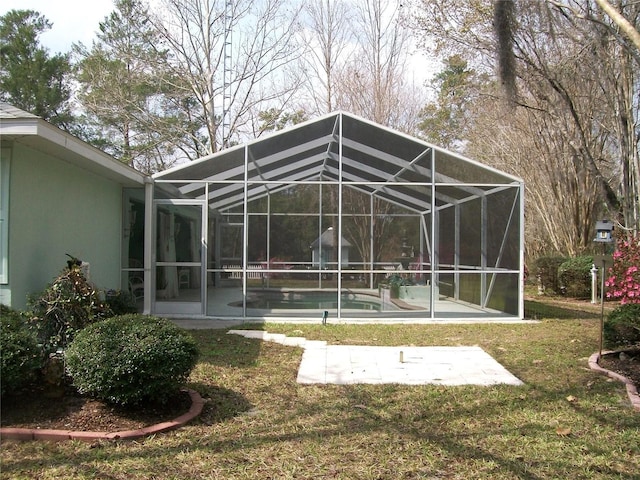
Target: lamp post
[(604, 235)]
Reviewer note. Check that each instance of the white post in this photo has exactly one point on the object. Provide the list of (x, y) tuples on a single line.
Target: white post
[(594, 283), (149, 247)]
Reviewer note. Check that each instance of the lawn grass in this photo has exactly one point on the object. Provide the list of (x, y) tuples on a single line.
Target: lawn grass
[(258, 423)]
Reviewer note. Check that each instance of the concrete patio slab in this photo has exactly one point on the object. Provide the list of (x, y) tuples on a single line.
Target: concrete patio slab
[(409, 365), (350, 364)]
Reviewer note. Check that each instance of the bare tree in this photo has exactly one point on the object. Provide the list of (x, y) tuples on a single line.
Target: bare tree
[(329, 36), (358, 62), (263, 47), (561, 205), (366, 229), (616, 31), (582, 120), (629, 30), (586, 47), (375, 83)]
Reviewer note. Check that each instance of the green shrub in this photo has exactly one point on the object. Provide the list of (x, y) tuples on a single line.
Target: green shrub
[(575, 277), (130, 359), (19, 352), (396, 281), (121, 302), (622, 328), (66, 306), (547, 273)]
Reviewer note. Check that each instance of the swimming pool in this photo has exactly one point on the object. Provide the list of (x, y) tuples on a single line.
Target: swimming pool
[(313, 301)]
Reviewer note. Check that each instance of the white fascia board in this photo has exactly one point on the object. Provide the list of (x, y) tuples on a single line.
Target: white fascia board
[(18, 126)]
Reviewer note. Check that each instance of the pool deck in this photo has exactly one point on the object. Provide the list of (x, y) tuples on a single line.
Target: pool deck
[(223, 314)]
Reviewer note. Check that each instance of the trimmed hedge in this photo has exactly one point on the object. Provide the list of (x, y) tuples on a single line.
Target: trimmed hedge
[(575, 276), (20, 355), (622, 328), (547, 273), (120, 302), (130, 359)]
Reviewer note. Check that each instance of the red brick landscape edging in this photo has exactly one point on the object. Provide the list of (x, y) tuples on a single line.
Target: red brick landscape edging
[(632, 391), (59, 435)]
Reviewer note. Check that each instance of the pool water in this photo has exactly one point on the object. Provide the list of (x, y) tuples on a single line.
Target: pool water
[(313, 301)]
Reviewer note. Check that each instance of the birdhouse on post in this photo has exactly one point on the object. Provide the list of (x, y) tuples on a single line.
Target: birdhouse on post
[(604, 231)]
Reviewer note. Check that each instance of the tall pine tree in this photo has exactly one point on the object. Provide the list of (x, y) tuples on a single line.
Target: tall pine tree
[(127, 97), (30, 78)]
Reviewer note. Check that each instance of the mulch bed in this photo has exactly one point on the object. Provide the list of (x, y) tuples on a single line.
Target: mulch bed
[(626, 363), (39, 410)]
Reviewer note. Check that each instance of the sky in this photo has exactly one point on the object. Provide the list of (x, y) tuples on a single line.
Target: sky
[(74, 21)]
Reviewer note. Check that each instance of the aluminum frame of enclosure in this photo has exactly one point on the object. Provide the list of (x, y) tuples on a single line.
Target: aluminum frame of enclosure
[(449, 226)]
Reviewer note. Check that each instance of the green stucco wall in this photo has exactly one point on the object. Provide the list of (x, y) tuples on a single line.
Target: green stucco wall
[(57, 208)]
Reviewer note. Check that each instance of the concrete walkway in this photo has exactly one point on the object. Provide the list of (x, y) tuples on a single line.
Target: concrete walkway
[(409, 365)]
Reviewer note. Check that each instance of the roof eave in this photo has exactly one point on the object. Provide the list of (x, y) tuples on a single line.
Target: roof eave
[(33, 131)]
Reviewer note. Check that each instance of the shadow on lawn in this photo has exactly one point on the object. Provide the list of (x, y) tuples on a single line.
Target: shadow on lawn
[(221, 404), (363, 412), (534, 310), (218, 348), (219, 351), (417, 419)]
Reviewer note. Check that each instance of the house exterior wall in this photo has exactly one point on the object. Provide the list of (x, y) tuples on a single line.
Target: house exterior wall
[(57, 208)]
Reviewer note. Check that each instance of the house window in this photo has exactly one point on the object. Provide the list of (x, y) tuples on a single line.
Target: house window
[(5, 155)]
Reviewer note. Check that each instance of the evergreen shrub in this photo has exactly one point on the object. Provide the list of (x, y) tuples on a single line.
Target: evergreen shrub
[(130, 359), (547, 273), (120, 302), (575, 276), (20, 356), (622, 327)]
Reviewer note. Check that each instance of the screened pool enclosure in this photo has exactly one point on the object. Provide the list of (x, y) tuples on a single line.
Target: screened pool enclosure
[(335, 217)]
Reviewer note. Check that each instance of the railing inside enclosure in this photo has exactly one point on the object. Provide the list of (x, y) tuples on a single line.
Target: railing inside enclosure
[(235, 271), (257, 271)]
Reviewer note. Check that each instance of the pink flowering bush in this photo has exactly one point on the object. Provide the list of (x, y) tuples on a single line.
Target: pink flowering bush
[(624, 280)]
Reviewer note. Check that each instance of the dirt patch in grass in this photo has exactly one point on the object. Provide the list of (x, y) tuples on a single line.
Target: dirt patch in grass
[(36, 410)]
